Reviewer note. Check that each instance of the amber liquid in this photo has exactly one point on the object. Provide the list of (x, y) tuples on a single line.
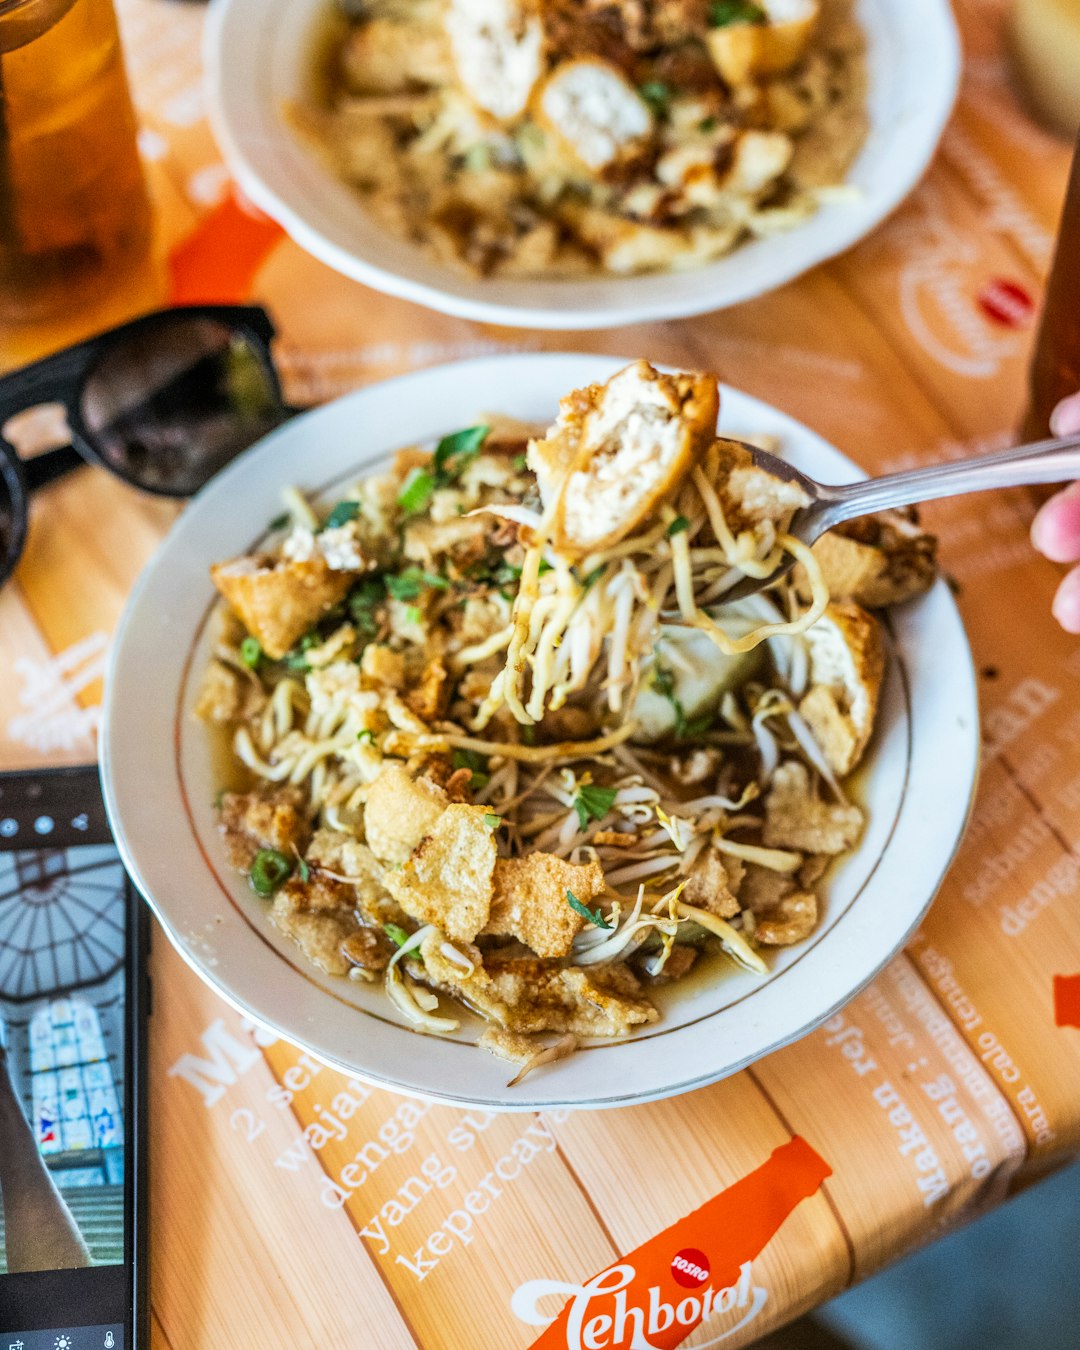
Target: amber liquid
[(74, 214), (1055, 367)]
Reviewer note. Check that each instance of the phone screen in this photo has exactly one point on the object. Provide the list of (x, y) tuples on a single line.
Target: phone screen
[(65, 1096)]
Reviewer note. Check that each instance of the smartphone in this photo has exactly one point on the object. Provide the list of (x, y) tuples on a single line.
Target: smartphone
[(73, 1003)]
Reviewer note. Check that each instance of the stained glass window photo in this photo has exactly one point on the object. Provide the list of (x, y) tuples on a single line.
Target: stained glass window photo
[(62, 946)]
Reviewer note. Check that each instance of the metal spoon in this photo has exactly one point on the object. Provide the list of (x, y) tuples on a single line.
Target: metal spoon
[(1052, 461)]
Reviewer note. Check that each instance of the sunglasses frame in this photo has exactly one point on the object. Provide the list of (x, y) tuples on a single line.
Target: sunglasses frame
[(62, 378)]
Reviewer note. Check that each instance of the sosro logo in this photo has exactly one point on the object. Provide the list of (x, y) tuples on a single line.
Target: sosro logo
[(642, 1303), (600, 1315)]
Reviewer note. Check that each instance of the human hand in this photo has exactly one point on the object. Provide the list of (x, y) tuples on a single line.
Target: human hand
[(1055, 531)]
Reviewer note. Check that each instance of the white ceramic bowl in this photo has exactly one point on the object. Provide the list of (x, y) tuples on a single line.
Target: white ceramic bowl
[(256, 58), (160, 781)]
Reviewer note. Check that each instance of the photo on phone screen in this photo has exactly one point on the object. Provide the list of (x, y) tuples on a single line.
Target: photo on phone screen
[(66, 1196)]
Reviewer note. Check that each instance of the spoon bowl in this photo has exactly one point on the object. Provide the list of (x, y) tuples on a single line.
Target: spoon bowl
[(828, 505)]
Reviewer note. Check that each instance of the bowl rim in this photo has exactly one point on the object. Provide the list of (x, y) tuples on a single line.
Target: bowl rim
[(463, 297)]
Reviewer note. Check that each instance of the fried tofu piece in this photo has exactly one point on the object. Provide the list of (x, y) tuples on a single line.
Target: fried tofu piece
[(448, 881), (335, 851), (381, 667), (617, 449), (593, 111), (750, 50), (399, 811), (279, 602), (710, 885), (498, 53), (527, 995), (269, 817), (758, 159), (876, 560), (227, 696), (319, 916), (847, 667), (387, 56), (796, 819), (369, 949), (508, 1045), (428, 698), (749, 495), (680, 962), (793, 920), (529, 900), (763, 888)]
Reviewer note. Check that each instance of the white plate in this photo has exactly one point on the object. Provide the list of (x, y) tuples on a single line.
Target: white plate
[(160, 781), (257, 62)]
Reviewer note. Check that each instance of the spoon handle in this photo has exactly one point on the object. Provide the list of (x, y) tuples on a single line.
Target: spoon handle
[(1051, 461)]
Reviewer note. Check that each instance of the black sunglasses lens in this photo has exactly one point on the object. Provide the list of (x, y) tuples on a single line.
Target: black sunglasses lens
[(171, 405), (12, 518)]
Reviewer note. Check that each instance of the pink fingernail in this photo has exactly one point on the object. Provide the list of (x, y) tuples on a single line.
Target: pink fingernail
[(1065, 419), (1066, 606), (1055, 531)]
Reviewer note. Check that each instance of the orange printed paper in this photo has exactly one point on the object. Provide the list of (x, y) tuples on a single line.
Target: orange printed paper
[(218, 261), (655, 1297)]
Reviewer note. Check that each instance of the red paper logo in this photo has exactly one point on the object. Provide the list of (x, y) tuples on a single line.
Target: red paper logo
[(690, 1268), (1067, 1000), (1007, 303)]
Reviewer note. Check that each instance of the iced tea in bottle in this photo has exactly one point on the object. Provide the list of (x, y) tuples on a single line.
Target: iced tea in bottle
[(74, 214), (1055, 366)]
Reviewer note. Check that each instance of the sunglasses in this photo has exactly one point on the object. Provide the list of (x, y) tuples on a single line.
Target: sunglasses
[(163, 402)]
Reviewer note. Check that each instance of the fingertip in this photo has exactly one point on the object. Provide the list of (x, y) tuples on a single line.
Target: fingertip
[(1066, 606), (1055, 531), (1065, 419)]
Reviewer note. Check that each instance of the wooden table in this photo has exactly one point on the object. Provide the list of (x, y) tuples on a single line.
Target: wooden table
[(292, 1206)]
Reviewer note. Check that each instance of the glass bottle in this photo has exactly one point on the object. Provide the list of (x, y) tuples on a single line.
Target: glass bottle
[(1055, 365)]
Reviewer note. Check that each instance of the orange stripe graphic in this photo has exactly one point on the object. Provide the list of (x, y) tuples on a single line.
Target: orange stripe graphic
[(660, 1292), (1067, 1000), (218, 261)]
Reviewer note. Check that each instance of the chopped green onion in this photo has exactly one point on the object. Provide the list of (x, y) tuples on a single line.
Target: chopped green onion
[(296, 658), (593, 577), (366, 737), (476, 763), (407, 585), (455, 452), (593, 803), (545, 566), (663, 681), (279, 522), (477, 158), (341, 515), (492, 821), (363, 599), (520, 463), (725, 12), (657, 95), (416, 491), (251, 652), (269, 870), (303, 869), (413, 614), (397, 935), (677, 526), (594, 916)]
